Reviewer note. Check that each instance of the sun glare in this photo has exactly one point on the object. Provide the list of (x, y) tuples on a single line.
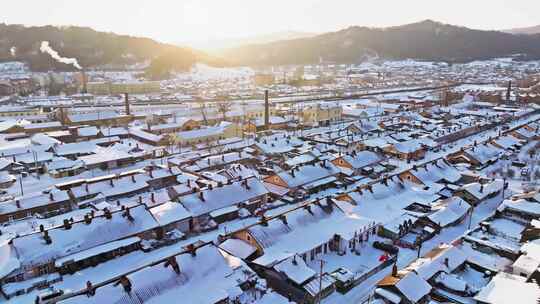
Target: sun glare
[(195, 13)]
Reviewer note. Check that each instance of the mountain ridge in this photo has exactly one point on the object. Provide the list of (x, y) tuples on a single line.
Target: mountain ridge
[(530, 30), (424, 40), (93, 49)]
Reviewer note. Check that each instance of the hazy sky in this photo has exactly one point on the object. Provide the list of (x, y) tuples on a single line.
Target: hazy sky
[(200, 20)]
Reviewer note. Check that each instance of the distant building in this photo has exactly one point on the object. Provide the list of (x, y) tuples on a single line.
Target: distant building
[(263, 79), (322, 113), (138, 87), (6, 88)]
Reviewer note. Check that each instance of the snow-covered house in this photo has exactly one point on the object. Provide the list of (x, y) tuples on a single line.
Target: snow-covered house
[(479, 155), (311, 230), (51, 249), (207, 135), (172, 216), (384, 201), (408, 150), (6, 180), (87, 133), (74, 150), (161, 177), (222, 202), (277, 144), (120, 132), (508, 143), (307, 177), (404, 287), (525, 133), (497, 291), (95, 118), (221, 160), (476, 193), (110, 186), (274, 123), (149, 138), (62, 167), (448, 212), (44, 204), (283, 245), (108, 158), (181, 124), (305, 158), (520, 209), (203, 274), (429, 174), (356, 162)]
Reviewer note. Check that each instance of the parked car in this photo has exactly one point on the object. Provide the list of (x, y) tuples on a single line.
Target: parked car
[(385, 247), (518, 164)]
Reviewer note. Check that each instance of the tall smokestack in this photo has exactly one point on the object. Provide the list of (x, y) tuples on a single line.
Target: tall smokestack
[(62, 115), (126, 100), (84, 80), (266, 111), (508, 91)]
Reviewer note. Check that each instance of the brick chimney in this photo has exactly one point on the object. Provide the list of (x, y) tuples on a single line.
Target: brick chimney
[(266, 111), (126, 103)]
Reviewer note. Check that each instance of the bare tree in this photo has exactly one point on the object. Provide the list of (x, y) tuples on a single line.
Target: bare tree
[(204, 112), (224, 107)]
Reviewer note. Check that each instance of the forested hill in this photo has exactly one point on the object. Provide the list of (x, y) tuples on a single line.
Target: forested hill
[(426, 40), (93, 48)]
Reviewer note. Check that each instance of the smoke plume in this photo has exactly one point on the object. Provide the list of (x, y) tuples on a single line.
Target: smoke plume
[(45, 48)]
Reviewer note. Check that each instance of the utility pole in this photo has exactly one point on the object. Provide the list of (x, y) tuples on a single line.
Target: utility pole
[(319, 296), (34, 154), (471, 211), (419, 242), (21, 184)]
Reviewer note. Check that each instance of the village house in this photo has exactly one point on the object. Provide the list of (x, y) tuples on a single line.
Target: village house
[(172, 216), (284, 247), (45, 204), (6, 180), (478, 156), (149, 138), (447, 212), (432, 173), (508, 143), (476, 193), (72, 246), (50, 126), (207, 135), (358, 163), (408, 150), (404, 287), (322, 113), (277, 144), (216, 162), (496, 291), (183, 124), (223, 202), (60, 167), (182, 276), (95, 118), (301, 179), (274, 123)]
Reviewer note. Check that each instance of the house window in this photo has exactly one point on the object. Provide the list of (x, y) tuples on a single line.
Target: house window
[(313, 254), (248, 237)]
